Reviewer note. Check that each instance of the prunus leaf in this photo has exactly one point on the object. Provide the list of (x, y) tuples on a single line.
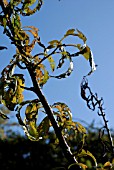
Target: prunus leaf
[(88, 55), (52, 62), (54, 42), (70, 32), (68, 72), (87, 153), (81, 36), (43, 127)]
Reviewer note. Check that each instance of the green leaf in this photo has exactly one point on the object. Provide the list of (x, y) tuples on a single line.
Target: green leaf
[(43, 127), (81, 36), (67, 73), (63, 110), (52, 63), (45, 78), (87, 153), (3, 115), (54, 42), (4, 22), (70, 32), (31, 111), (80, 128), (88, 55)]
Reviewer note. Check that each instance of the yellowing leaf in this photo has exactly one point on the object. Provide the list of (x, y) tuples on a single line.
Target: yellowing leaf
[(33, 30), (31, 111), (43, 127), (87, 153), (107, 165), (33, 129), (84, 50), (81, 36), (54, 42), (70, 32), (83, 166), (52, 62), (28, 3), (80, 128)]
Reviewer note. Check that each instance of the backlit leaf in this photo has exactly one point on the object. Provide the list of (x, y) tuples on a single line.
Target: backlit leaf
[(3, 115), (87, 53), (81, 36), (70, 32), (87, 153), (54, 42), (67, 73), (52, 62), (33, 30), (43, 127), (107, 165), (80, 128), (4, 22)]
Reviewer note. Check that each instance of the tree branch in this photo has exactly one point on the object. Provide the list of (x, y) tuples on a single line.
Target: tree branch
[(66, 149)]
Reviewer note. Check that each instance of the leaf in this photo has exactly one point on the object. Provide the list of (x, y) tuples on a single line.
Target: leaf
[(92, 64), (64, 111), (4, 22), (80, 128), (43, 127), (84, 50), (107, 165), (31, 111), (44, 78), (3, 115), (67, 73), (54, 42), (28, 3), (52, 62), (81, 36), (26, 11), (33, 30), (62, 60), (35, 136), (42, 75), (77, 166), (87, 153), (70, 32), (87, 53)]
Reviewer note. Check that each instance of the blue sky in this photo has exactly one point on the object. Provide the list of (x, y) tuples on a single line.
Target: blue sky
[(95, 20)]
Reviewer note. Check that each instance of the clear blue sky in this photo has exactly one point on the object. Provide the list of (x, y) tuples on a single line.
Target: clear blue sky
[(96, 20)]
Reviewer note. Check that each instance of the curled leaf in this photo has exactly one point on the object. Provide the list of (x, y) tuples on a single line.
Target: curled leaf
[(70, 32), (54, 42), (87, 153), (88, 55), (52, 62), (3, 115), (67, 73), (81, 36)]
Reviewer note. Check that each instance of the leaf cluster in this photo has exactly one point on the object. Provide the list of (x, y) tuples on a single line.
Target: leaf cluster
[(12, 84)]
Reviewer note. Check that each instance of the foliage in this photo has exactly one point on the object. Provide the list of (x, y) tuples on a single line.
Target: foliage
[(13, 84)]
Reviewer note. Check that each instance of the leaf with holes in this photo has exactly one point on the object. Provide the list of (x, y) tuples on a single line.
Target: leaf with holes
[(67, 73)]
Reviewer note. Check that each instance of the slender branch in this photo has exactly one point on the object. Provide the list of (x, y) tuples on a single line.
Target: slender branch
[(93, 101), (66, 149)]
